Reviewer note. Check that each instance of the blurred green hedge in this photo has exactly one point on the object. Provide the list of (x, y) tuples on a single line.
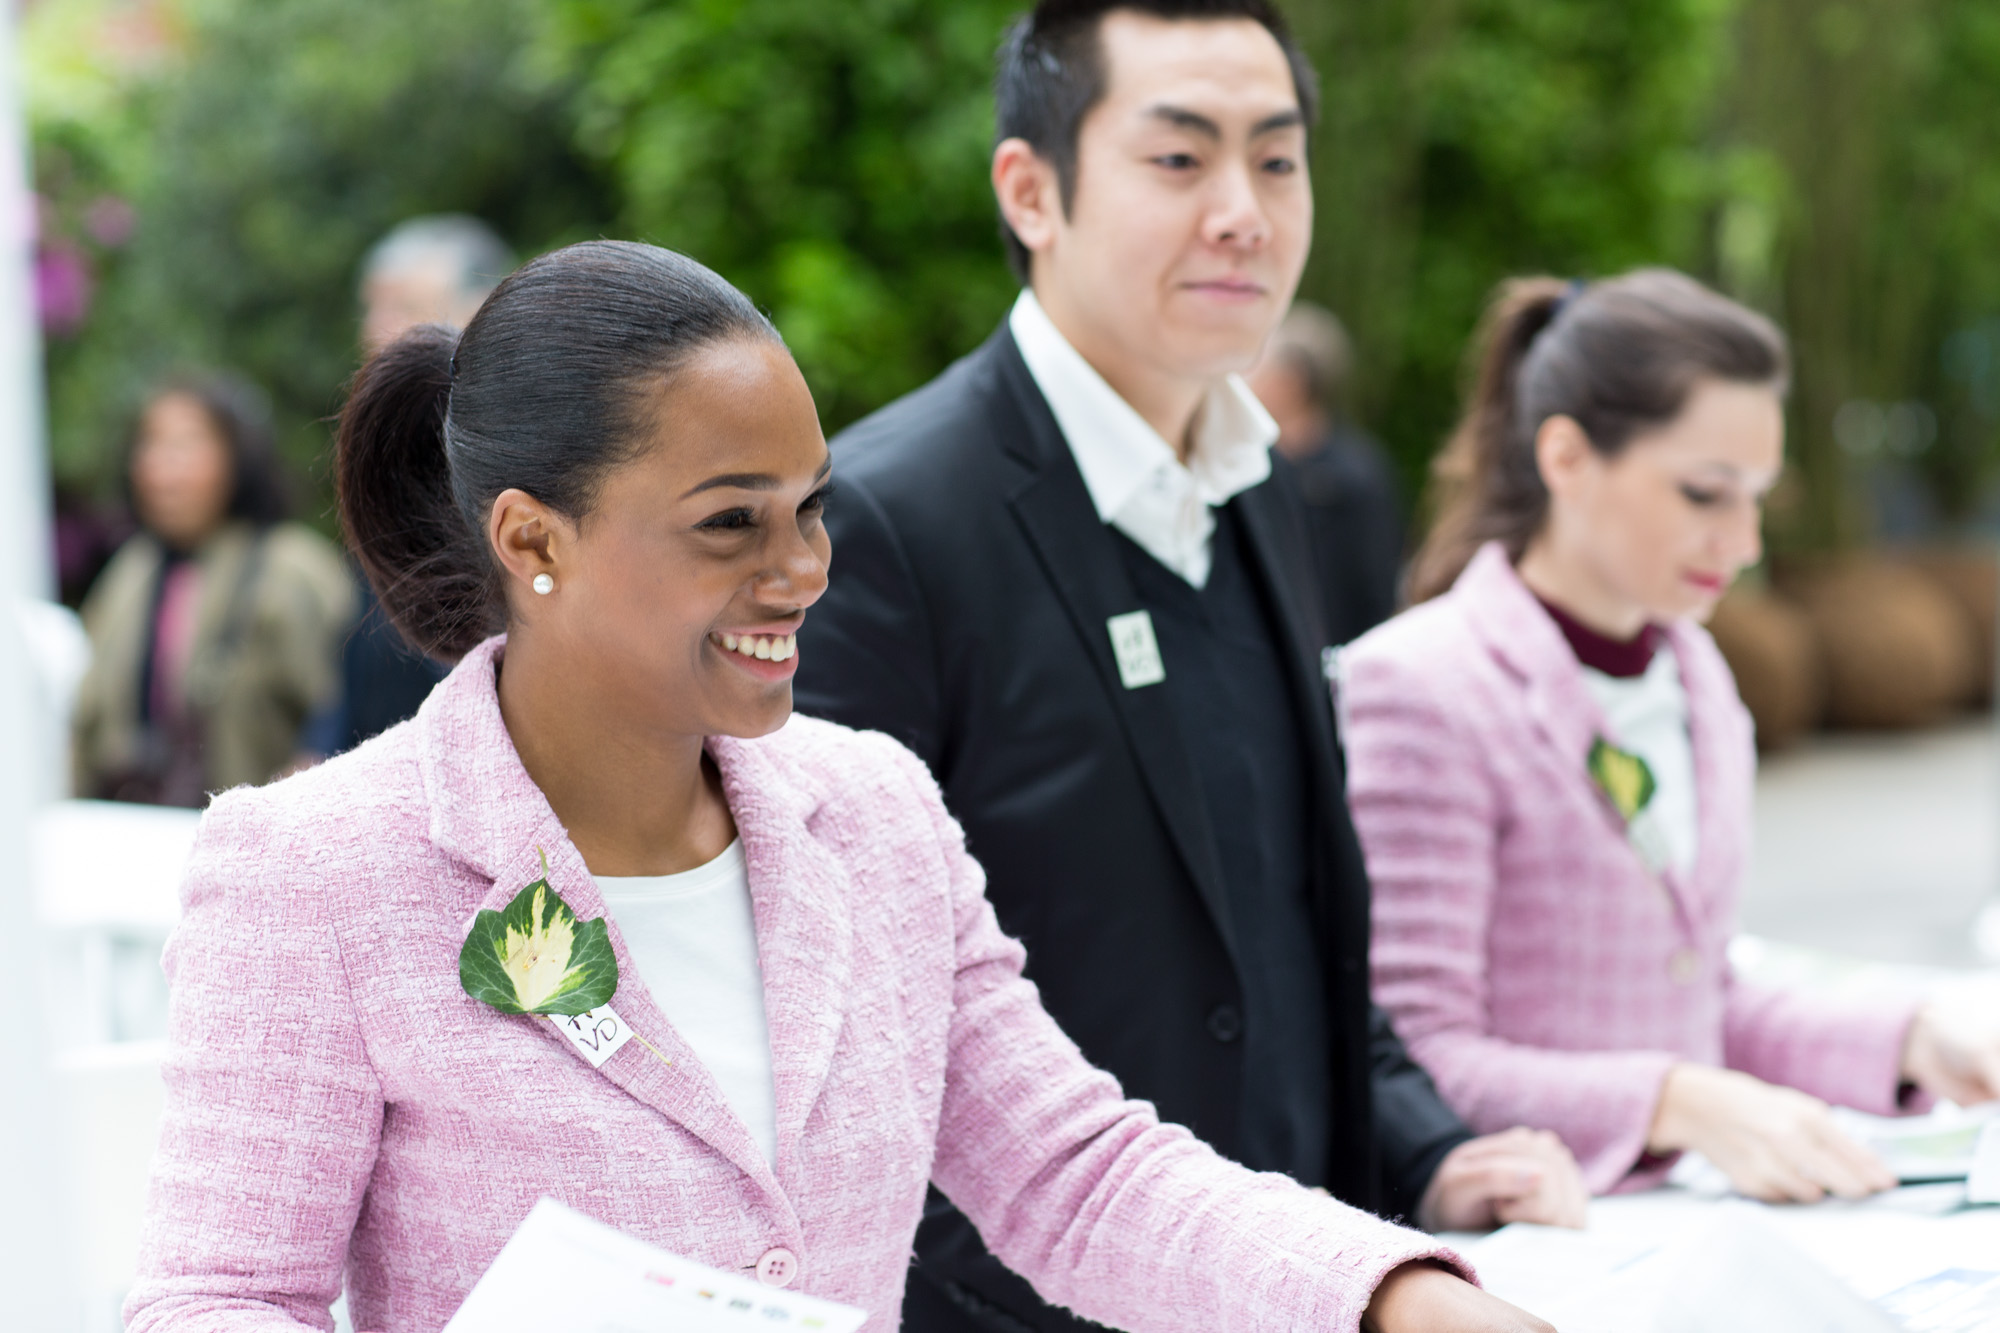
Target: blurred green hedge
[(260, 154), (1834, 161), (828, 158)]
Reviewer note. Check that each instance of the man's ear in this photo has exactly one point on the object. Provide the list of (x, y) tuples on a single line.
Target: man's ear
[(1562, 454), (1030, 196)]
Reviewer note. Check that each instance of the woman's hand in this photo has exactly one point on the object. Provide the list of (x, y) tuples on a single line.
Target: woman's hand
[(1424, 1298), (1775, 1144), (1522, 1175), (1953, 1052)]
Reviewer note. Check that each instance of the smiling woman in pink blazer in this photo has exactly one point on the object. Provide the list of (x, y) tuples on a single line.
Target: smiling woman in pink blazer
[(1551, 771), (618, 465)]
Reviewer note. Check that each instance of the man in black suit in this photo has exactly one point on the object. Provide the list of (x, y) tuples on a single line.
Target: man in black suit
[(1063, 578)]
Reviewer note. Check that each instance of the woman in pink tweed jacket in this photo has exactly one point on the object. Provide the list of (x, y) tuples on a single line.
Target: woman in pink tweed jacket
[(1550, 964), (619, 463)]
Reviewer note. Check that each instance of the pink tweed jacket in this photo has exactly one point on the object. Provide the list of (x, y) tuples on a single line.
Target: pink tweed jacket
[(1529, 958), (340, 1111)]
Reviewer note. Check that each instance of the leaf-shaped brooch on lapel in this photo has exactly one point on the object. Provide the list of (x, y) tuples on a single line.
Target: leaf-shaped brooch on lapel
[(1625, 778), (535, 957), (1627, 782)]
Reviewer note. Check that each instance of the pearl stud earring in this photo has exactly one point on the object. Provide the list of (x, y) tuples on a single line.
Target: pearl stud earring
[(544, 584)]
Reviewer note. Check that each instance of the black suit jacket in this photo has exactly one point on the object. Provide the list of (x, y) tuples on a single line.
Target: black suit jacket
[(1354, 520), (971, 583)]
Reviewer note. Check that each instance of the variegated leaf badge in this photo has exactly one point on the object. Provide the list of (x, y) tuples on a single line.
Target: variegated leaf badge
[(1623, 777), (535, 957)]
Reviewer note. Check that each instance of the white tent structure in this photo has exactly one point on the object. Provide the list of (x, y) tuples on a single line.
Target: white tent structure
[(37, 1271), (26, 560)]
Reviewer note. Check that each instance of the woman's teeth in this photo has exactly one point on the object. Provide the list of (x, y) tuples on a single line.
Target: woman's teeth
[(766, 647)]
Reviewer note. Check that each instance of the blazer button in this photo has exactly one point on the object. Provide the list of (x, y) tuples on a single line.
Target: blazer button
[(778, 1267), (1684, 966), (1225, 1024)]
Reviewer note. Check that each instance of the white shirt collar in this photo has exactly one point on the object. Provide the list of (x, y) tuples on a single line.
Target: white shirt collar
[(1136, 481)]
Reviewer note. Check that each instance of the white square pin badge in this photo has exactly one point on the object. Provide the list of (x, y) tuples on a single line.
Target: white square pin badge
[(1137, 651)]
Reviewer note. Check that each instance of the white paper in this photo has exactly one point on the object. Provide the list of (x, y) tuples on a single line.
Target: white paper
[(1634, 1261), (1982, 1185), (1721, 1269), (564, 1271), (597, 1033), (1137, 651), (1935, 1146), (1741, 1276), (1958, 1300)]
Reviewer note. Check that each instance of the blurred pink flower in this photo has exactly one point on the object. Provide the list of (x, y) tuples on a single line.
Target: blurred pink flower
[(62, 289), (109, 220)]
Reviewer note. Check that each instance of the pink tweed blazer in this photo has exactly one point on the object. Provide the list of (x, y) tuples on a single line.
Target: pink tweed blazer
[(1529, 958), (340, 1111)]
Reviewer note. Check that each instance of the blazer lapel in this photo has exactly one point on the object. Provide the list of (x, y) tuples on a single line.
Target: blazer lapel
[(1277, 561), (1082, 562), (805, 931), (489, 813), (1521, 634)]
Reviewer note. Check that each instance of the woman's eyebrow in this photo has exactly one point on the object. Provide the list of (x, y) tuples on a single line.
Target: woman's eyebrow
[(743, 481), (751, 481)]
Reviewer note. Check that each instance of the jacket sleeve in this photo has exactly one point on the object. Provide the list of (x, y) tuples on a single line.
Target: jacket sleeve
[(309, 601), (1101, 1207), (273, 1113), (1842, 1049), (867, 655), (1414, 1129), (1426, 812)]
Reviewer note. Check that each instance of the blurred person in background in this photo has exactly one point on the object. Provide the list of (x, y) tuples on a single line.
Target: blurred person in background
[(1067, 579), (1341, 472), (436, 269), (215, 629), (428, 270), (1552, 773)]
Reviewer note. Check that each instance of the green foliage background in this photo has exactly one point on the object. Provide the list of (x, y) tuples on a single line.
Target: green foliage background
[(1836, 162), (261, 164), (828, 158)]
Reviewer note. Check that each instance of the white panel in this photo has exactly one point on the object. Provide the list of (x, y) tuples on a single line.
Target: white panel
[(37, 1244), (27, 567)]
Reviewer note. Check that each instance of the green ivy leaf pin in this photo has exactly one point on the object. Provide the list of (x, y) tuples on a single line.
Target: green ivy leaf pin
[(535, 957), (1623, 777)]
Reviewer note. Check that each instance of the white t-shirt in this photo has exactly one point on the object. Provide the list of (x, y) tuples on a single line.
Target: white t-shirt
[(1648, 715), (694, 940)]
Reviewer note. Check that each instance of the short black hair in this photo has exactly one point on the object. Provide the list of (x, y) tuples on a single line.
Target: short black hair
[(1051, 73)]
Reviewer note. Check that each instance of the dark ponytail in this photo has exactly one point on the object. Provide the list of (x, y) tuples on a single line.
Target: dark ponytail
[(546, 390), (1618, 356), (424, 561)]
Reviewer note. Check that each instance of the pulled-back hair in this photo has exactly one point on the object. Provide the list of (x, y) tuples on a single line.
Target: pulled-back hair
[(1619, 357), (1051, 73), (547, 390)]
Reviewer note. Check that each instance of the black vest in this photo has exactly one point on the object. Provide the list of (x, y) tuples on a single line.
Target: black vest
[(1232, 698)]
